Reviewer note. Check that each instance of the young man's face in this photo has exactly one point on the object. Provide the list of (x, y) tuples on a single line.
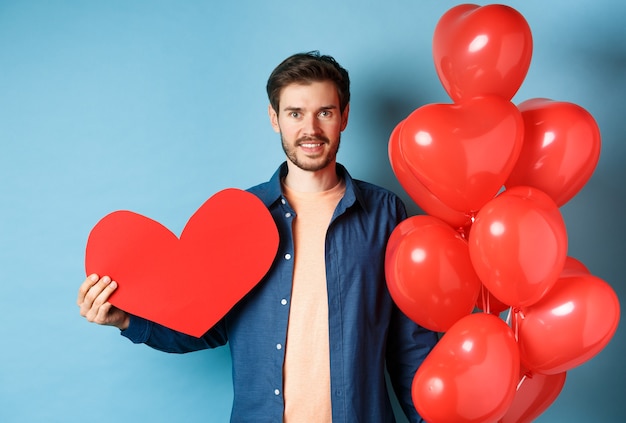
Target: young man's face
[(310, 124)]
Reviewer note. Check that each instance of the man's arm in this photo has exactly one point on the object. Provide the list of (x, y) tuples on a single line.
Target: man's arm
[(93, 301), (407, 347)]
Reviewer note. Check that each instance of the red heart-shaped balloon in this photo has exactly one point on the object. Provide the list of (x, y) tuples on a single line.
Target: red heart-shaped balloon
[(463, 153), (518, 245), (186, 283), (535, 393), (429, 272), (482, 51), (560, 151), (573, 322), (417, 191), (471, 374)]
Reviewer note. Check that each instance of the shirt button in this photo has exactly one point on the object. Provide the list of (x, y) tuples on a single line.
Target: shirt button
[(279, 347), (283, 301), (287, 214), (287, 256), (276, 392), (282, 200)]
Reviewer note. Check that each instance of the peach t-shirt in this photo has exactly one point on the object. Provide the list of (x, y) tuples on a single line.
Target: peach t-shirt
[(307, 355)]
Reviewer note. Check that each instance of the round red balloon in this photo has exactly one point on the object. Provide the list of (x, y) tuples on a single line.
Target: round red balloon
[(429, 273), (482, 51), (570, 325), (425, 199), (518, 245), (535, 394), (560, 151), (463, 153), (471, 374)]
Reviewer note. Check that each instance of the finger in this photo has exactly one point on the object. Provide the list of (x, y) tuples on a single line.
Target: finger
[(85, 287), (106, 292), (102, 315), (98, 311), (92, 299), (103, 297)]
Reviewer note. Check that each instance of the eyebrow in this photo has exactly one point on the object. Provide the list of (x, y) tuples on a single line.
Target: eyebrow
[(299, 109)]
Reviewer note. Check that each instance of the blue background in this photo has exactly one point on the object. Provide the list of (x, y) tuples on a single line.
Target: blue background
[(153, 106)]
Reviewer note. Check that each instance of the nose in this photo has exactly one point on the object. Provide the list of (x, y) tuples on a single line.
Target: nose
[(310, 125)]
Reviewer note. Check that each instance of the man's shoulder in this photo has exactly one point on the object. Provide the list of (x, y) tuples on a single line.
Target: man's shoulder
[(364, 187), (371, 189), (264, 191), (376, 197), (381, 204), (262, 187), (269, 191)]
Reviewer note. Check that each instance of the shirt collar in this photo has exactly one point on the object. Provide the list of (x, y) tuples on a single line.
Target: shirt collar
[(273, 192)]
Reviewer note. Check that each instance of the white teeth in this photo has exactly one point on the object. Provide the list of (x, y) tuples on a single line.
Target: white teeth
[(310, 145)]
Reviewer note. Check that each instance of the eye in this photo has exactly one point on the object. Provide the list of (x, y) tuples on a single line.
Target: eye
[(294, 114), (326, 113)]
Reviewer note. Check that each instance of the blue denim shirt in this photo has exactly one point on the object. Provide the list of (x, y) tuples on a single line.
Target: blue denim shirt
[(367, 331)]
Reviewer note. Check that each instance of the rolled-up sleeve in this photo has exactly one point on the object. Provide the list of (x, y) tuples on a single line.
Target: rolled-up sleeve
[(142, 331)]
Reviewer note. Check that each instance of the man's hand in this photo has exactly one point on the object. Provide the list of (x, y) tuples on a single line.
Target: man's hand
[(93, 296)]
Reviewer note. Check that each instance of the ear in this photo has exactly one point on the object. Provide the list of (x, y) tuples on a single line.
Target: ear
[(273, 118), (344, 117)]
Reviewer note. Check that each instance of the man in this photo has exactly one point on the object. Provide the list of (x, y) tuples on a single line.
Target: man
[(310, 342)]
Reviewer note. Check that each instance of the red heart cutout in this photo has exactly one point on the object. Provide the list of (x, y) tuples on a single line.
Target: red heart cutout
[(187, 283), (560, 151), (463, 153), (482, 51)]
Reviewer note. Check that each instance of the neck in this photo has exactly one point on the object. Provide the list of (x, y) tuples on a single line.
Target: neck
[(311, 181)]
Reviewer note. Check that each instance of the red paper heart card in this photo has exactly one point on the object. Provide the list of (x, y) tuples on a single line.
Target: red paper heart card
[(185, 283)]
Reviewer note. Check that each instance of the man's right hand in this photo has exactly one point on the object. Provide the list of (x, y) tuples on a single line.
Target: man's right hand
[(93, 296)]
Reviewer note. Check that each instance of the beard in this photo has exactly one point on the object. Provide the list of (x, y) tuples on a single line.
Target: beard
[(308, 164)]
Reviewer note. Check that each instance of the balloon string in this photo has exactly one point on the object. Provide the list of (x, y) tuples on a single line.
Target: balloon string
[(517, 314), (485, 299), (519, 384), (488, 300)]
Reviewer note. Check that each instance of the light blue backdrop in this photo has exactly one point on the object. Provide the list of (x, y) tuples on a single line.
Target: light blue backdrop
[(153, 106)]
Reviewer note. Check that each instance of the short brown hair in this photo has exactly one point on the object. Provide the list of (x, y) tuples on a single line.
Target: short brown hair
[(304, 68)]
